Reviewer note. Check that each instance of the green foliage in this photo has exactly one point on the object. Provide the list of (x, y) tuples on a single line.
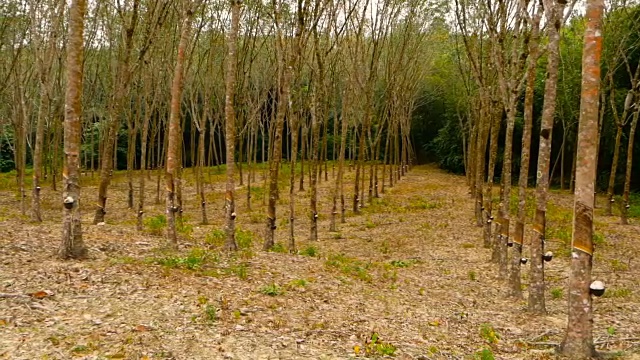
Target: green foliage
[(472, 275), (241, 270), (621, 292), (215, 238), (310, 250), (297, 283), (210, 313), (279, 248), (423, 204), (244, 238), (369, 224), (489, 334), (194, 260), (484, 354), (183, 227), (402, 263), (375, 346), (156, 224), (556, 293), (350, 266), (272, 290)]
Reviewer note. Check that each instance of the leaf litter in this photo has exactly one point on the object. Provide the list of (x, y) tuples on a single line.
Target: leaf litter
[(408, 278)]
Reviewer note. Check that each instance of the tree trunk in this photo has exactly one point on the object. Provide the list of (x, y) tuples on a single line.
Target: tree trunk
[(614, 170), (143, 165), (284, 80), (627, 177), (230, 128), (578, 340), (72, 245), (175, 135), (523, 180), (537, 287)]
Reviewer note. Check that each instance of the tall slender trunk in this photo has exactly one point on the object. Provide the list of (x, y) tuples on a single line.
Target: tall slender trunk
[(230, 128), (175, 135), (284, 80), (72, 245), (578, 340), (537, 286), (143, 165), (614, 170), (627, 177), (496, 123), (515, 285), (315, 151)]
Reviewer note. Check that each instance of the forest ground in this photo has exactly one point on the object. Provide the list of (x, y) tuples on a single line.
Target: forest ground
[(408, 277)]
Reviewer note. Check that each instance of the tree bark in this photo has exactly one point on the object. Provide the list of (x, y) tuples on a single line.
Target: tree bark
[(175, 135), (578, 340), (230, 128), (72, 245), (627, 177)]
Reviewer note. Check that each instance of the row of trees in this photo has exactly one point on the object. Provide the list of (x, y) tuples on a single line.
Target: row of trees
[(503, 42), (196, 83)]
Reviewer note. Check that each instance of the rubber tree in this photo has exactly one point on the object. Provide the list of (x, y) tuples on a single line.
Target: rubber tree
[(508, 53), (72, 245), (47, 52), (283, 88), (230, 127), (515, 288), (154, 16), (174, 130), (554, 16), (578, 340)]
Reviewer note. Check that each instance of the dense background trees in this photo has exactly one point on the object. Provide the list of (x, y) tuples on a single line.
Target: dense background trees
[(384, 53)]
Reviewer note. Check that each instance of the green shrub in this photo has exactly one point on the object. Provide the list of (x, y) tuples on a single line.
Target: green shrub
[(309, 251), (156, 224)]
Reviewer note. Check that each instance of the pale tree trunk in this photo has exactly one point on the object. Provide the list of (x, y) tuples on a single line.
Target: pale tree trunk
[(230, 128), (515, 285), (202, 129), (143, 163), (627, 177), (495, 121), (578, 340), (284, 81), (72, 245), (537, 286), (46, 91), (614, 168), (175, 134), (315, 153)]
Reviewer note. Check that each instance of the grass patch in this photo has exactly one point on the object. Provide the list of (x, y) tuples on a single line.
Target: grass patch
[(484, 354), (194, 260), (278, 248), (472, 275), (215, 238), (155, 225), (244, 238), (297, 283), (402, 263), (370, 224), (556, 293), (349, 266), (310, 250), (423, 204), (376, 347), (241, 270), (617, 293), (489, 334), (271, 290)]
